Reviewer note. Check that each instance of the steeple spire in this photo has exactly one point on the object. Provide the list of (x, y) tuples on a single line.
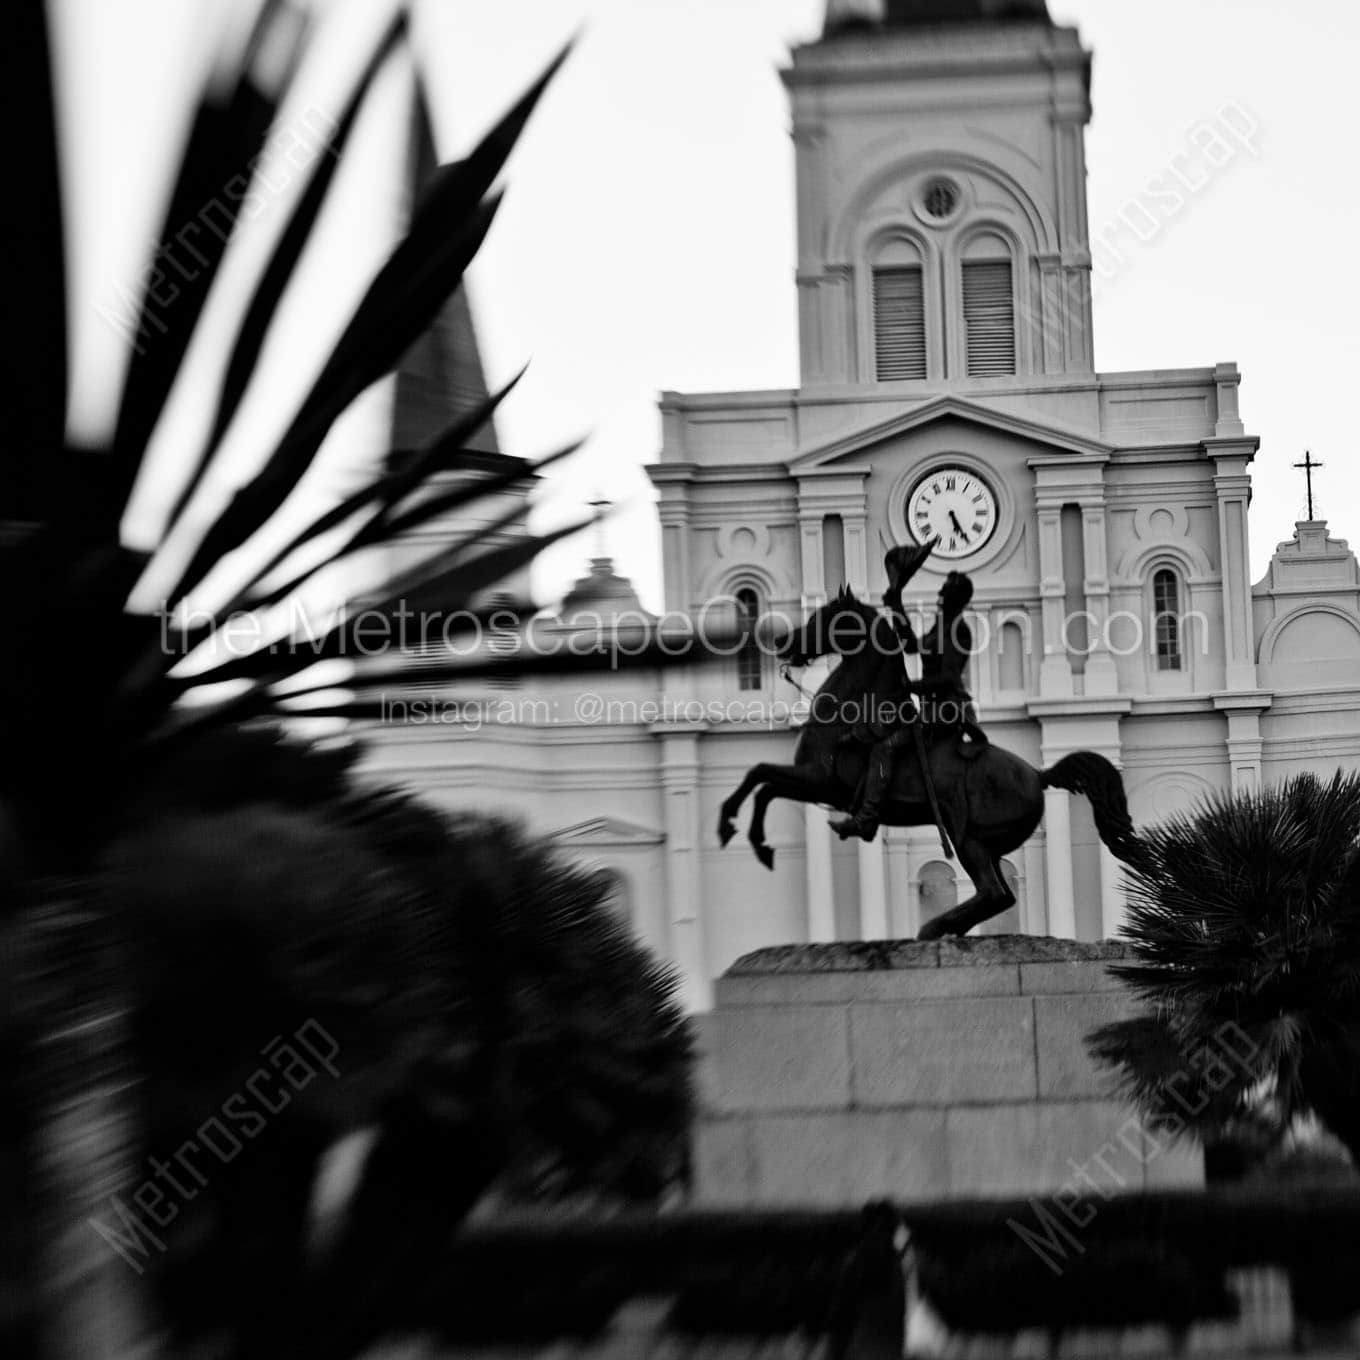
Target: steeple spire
[(441, 375)]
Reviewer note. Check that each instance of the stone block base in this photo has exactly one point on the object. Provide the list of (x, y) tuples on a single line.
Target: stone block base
[(833, 1074)]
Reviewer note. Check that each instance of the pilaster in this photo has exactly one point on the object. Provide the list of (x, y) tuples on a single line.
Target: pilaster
[(813, 556), (1052, 353), (1101, 675), (1232, 485), (673, 483), (834, 491), (1062, 481), (1055, 670), (1243, 712)]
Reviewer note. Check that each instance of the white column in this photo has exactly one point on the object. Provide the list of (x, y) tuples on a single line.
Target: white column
[(680, 792), (1034, 921), (1062, 903), (873, 891), (1111, 894), (821, 900)]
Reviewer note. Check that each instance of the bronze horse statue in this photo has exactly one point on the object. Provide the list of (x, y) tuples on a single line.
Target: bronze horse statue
[(990, 804)]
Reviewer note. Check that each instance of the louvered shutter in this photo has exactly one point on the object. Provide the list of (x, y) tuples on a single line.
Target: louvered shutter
[(989, 318), (899, 323)]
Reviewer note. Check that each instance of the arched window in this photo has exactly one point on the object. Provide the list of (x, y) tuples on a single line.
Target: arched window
[(988, 308), (750, 662), (899, 304), (939, 889), (1166, 619)]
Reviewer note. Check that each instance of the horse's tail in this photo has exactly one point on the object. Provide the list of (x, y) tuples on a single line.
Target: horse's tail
[(1087, 773)]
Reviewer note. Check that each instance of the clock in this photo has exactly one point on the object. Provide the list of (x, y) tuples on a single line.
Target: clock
[(954, 505)]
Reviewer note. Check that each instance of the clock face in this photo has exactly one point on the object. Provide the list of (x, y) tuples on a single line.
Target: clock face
[(954, 505)]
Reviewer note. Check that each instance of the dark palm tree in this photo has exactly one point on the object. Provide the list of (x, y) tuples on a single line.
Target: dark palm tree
[(486, 1012), (1244, 921), (178, 880)]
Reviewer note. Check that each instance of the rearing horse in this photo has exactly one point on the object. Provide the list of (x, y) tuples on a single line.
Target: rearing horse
[(990, 804)]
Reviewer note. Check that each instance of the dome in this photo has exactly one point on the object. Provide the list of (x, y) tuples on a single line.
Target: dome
[(603, 593)]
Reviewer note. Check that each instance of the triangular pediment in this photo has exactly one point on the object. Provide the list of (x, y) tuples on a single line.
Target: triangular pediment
[(607, 831), (944, 408)]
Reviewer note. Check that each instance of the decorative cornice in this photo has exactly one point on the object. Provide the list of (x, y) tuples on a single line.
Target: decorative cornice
[(836, 470), (1067, 462), (1244, 700), (1096, 706), (671, 473), (1231, 446)]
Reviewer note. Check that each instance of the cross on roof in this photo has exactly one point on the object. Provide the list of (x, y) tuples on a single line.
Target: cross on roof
[(1308, 466)]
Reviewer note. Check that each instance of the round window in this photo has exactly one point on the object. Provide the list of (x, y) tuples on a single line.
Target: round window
[(939, 199)]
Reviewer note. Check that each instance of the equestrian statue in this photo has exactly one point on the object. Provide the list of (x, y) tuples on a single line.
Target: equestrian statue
[(886, 749)]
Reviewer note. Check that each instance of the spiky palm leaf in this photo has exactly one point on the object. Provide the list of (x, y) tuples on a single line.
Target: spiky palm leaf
[(1244, 922), (93, 688), (253, 886)]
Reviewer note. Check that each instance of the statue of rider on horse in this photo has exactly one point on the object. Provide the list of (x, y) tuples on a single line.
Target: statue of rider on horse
[(985, 800)]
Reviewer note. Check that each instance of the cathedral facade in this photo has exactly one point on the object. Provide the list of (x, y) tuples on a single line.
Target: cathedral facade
[(947, 388)]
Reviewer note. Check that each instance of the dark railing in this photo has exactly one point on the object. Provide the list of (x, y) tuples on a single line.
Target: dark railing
[(1252, 1268)]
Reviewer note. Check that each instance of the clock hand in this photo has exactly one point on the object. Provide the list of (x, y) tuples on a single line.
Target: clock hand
[(954, 519)]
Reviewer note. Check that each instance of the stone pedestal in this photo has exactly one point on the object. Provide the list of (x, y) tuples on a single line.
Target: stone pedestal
[(834, 1074)]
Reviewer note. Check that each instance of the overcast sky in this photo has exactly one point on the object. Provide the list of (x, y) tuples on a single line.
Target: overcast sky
[(646, 241)]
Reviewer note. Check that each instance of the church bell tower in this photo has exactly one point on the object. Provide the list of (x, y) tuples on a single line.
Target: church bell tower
[(942, 231)]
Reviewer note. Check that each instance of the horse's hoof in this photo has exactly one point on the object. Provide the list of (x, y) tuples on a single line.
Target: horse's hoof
[(932, 930), (765, 855), (726, 830)]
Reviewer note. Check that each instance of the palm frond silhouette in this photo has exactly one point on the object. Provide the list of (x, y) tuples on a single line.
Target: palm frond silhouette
[(1244, 921), (183, 883)]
